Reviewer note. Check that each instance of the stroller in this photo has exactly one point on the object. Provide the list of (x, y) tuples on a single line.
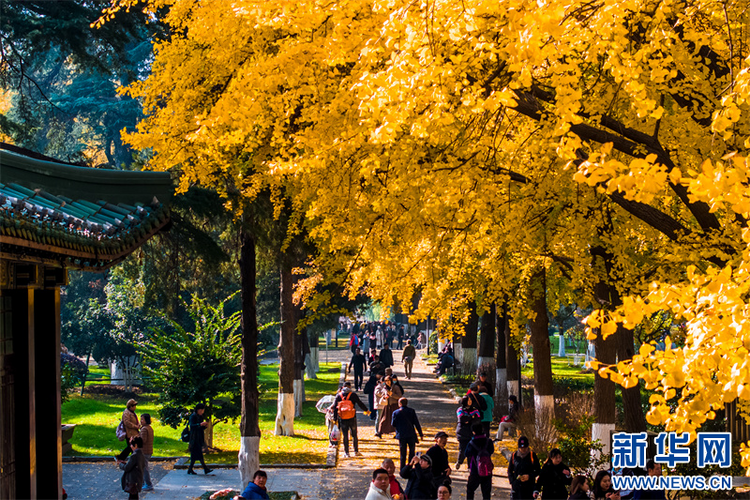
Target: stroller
[(325, 405)]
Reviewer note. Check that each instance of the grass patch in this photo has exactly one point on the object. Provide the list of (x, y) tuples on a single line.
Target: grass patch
[(562, 367), (98, 416)]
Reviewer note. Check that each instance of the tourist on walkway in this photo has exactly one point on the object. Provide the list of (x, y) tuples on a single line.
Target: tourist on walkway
[(407, 426), (555, 477), (386, 356), (379, 486), (489, 388), (444, 492), (132, 477), (147, 435), (370, 386), (353, 343), (395, 392), (256, 489), (579, 488), (408, 357), (487, 413), (376, 366), (603, 487), (523, 469), (467, 416), (400, 337), (441, 470), (357, 362), (395, 488), (197, 440), (344, 410), (653, 469), (418, 473), (509, 421), (381, 402), (130, 422), (479, 453)]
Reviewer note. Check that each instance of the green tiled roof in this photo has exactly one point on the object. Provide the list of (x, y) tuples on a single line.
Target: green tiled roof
[(79, 217)]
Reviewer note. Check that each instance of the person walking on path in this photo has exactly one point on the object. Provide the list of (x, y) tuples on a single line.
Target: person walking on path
[(345, 413), (407, 358), (508, 422), (372, 383), (256, 489), (479, 453), (523, 469), (488, 411), (147, 435), (441, 469), (130, 422), (386, 356), (395, 392), (357, 362), (420, 484), (394, 488), (132, 477), (197, 439), (555, 477), (400, 337), (379, 486), (381, 402), (407, 426), (467, 416)]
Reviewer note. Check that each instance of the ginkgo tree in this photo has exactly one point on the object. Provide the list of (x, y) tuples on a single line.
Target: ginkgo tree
[(417, 125)]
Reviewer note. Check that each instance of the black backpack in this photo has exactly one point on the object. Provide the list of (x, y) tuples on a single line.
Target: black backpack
[(185, 436)]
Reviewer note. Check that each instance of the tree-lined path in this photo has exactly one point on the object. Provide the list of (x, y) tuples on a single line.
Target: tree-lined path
[(436, 409)]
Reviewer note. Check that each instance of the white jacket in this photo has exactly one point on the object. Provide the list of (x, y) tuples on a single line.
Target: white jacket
[(377, 494)]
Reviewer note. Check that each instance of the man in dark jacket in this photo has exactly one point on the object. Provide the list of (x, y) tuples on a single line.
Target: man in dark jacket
[(479, 446), (523, 469), (132, 478), (418, 472), (386, 356), (357, 362), (555, 477), (197, 440), (348, 424), (405, 421), (441, 470)]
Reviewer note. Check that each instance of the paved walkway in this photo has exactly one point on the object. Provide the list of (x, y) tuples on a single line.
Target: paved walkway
[(348, 481)]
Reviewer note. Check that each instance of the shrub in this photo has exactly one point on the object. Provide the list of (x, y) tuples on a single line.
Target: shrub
[(72, 371), (582, 454)]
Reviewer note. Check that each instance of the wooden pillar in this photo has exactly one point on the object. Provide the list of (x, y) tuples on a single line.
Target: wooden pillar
[(47, 392), (7, 398)]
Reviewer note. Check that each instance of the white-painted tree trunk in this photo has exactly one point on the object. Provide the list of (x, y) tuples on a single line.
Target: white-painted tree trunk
[(469, 361), (312, 363), (125, 371), (544, 410), (513, 388), (602, 432), (487, 361), (440, 344), (561, 346), (285, 415), (458, 353), (299, 396), (248, 459)]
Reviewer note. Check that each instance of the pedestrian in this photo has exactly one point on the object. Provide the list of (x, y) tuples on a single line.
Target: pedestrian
[(407, 358), (467, 416), (130, 422), (418, 473), (345, 412), (395, 488), (509, 421), (386, 356), (477, 401), (379, 338), (579, 488), (353, 343), (374, 340), (197, 440), (400, 337), (395, 392), (372, 382), (407, 426), (381, 402), (255, 489), (489, 408), (147, 435), (420, 340), (555, 477), (603, 487), (441, 470), (489, 388), (357, 362), (379, 486), (444, 492), (653, 469), (132, 477), (479, 453), (523, 469), (376, 366)]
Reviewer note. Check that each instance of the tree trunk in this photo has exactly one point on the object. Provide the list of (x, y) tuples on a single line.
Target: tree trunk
[(249, 455), (285, 409), (511, 360), (635, 421), (301, 349), (312, 360), (544, 400), (501, 369), (486, 352), (469, 343)]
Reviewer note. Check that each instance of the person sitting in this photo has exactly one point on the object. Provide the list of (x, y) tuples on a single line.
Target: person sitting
[(446, 361), (256, 489), (509, 421)]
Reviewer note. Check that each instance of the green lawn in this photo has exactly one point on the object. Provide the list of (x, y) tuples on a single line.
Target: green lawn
[(98, 416)]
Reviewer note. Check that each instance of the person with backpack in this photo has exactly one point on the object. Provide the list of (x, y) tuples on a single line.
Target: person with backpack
[(467, 416), (523, 469), (346, 414), (353, 343), (357, 362), (555, 477), (479, 453)]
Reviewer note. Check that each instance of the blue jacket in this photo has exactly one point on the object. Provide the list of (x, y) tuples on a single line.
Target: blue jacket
[(405, 420), (253, 491)]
